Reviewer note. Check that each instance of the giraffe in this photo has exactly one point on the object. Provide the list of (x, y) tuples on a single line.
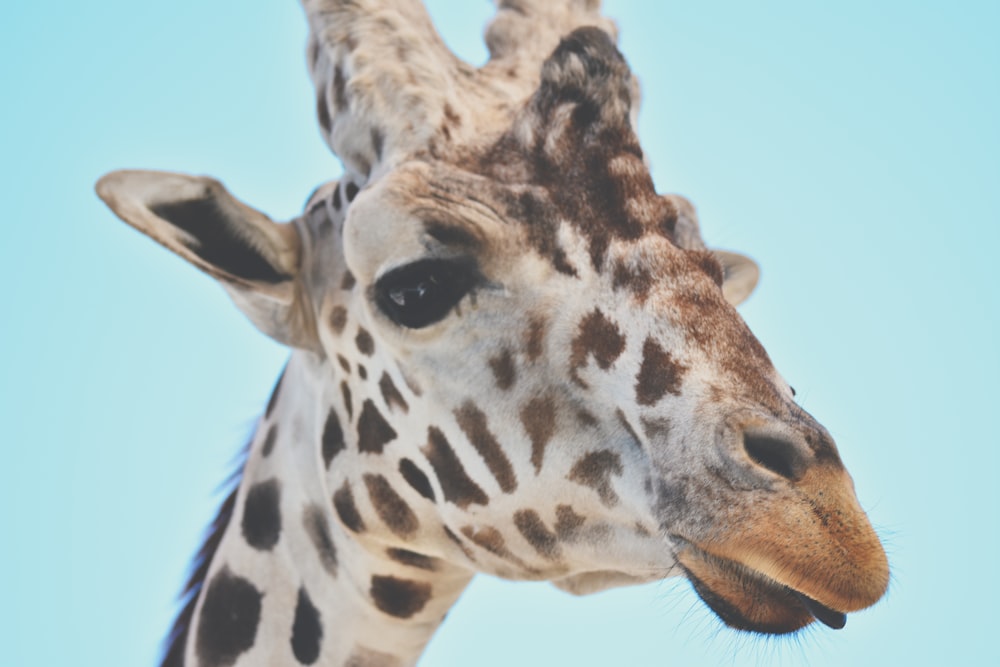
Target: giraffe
[(508, 355)]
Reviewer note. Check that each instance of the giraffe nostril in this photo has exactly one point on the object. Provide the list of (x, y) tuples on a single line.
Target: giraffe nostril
[(775, 454)]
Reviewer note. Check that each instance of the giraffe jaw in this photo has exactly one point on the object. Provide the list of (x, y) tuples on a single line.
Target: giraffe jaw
[(750, 600)]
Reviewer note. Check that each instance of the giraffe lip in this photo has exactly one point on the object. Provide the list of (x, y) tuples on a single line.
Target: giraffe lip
[(748, 599), (831, 618)]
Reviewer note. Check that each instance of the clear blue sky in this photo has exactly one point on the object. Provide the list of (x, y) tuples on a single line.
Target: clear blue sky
[(851, 147)]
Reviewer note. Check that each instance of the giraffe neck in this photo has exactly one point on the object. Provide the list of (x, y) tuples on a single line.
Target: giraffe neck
[(295, 580)]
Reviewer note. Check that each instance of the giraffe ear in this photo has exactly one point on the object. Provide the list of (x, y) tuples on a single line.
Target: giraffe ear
[(253, 257), (739, 276)]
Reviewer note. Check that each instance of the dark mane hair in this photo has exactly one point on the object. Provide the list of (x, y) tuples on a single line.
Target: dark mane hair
[(173, 645)]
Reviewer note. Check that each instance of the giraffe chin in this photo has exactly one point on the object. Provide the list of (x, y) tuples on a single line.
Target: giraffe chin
[(748, 600)]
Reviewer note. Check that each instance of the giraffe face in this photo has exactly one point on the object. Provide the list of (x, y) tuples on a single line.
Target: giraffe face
[(538, 365)]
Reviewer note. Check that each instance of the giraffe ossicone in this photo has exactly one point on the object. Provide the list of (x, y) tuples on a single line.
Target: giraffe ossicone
[(509, 355)]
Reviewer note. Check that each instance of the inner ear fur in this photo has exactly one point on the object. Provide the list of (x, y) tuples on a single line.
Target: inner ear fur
[(253, 257)]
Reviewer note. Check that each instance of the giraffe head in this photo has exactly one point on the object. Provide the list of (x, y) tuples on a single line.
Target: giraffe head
[(532, 362)]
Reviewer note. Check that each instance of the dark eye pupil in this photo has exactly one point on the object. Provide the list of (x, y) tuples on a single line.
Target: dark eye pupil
[(424, 292)]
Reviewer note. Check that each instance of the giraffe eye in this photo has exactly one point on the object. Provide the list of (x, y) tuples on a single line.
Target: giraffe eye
[(422, 293)]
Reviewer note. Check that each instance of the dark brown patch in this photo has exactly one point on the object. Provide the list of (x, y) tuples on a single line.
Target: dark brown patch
[(323, 112), (538, 535), (339, 89), (416, 478), (534, 338), (348, 281), (539, 419), (472, 421), (348, 404), (269, 440), (659, 374), (338, 319), (412, 559), (586, 418), (362, 372), (262, 515), (401, 598), (456, 485), (393, 399), (599, 338), (656, 428), (343, 503), (636, 280), (351, 190), (333, 438), (318, 529), (344, 363), (374, 432), (390, 506), (504, 369), (568, 522), (307, 630), (365, 342), (230, 616), (595, 470), (337, 203), (492, 540)]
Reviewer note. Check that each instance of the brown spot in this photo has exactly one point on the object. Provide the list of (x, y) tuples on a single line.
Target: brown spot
[(337, 203), (401, 598), (595, 470), (456, 485), (333, 438), (412, 558), (364, 341), (538, 535), (374, 432), (351, 190), (539, 420), (348, 405), (323, 112), (641, 530), (637, 280), (269, 440), (338, 319), (656, 428), (391, 396), (416, 478), (534, 338), (658, 375), (390, 506), (339, 89), (362, 372), (318, 529), (343, 503), (472, 421), (492, 540), (597, 337), (348, 281), (344, 363), (586, 418), (568, 522), (503, 369)]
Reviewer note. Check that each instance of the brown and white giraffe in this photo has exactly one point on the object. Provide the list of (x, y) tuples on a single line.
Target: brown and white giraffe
[(510, 355)]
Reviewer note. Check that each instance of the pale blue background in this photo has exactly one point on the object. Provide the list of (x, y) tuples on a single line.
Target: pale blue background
[(851, 147)]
